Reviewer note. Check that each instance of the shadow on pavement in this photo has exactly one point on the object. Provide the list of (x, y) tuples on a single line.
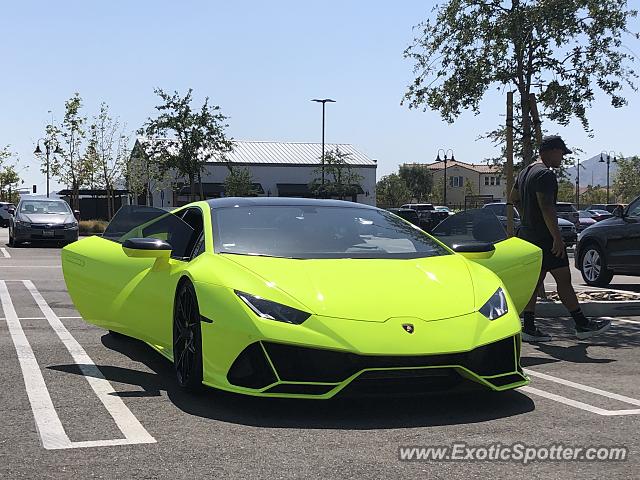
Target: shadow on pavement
[(357, 413)]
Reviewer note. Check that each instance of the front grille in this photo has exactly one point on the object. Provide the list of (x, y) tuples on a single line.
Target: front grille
[(400, 382), (251, 369), (316, 365), (301, 388)]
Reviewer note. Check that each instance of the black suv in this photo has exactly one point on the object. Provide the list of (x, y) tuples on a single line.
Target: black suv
[(610, 247)]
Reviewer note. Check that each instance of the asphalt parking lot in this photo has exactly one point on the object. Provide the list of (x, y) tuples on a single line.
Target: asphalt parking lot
[(107, 407)]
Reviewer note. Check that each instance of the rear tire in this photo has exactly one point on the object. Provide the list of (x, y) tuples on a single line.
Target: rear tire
[(187, 338), (593, 266)]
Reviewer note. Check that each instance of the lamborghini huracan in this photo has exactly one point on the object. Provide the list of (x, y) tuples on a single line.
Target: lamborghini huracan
[(308, 298)]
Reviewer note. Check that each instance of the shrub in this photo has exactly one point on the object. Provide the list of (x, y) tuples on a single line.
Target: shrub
[(91, 227)]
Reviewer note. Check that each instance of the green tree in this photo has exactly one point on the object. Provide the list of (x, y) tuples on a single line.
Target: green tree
[(437, 193), (239, 183), (593, 194), (468, 188), (560, 49), (196, 136), (391, 191), (109, 153), (626, 186), (566, 191), (74, 165), (340, 179), (418, 179)]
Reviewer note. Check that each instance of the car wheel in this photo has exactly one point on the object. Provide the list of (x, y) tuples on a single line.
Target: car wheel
[(593, 266), (187, 338), (12, 242)]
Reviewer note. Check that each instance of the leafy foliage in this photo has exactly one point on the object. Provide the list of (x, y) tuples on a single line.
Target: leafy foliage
[(418, 179), (340, 179), (626, 186), (198, 136), (566, 191), (562, 49), (239, 183), (392, 191)]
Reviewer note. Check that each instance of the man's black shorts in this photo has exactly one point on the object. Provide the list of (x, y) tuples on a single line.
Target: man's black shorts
[(549, 260)]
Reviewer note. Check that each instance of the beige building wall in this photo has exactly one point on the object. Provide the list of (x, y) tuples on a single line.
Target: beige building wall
[(457, 177)]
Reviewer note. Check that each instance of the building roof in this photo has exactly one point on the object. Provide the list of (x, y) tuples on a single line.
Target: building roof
[(476, 167), (285, 153)]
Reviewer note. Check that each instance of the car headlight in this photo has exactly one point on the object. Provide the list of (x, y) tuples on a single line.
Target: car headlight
[(496, 306), (272, 310), (71, 225), (20, 223)]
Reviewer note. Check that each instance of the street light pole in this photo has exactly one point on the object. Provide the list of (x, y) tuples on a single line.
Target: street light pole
[(48, 142), (323, 102), (578, 166), (445, 152), (608, 162)]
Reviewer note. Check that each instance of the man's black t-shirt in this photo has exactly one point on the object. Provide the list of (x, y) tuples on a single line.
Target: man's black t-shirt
[(531, 180)]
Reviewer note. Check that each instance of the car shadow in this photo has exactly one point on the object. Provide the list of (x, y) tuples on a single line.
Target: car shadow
[(348, 413)]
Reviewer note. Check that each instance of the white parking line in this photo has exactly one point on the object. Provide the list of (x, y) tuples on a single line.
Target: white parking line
[(5, 254), (49, 427), (585, 388)]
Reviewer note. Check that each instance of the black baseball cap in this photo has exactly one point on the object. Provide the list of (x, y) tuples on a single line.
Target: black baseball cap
[(553, 142)]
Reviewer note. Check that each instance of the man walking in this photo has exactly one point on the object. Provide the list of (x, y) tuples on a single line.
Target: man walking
[(535, 193)]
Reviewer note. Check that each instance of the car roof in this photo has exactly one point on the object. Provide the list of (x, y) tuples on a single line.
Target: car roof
[(283, 201)]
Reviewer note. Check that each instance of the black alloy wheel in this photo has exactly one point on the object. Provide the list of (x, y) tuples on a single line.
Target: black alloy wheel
[(187, 338)]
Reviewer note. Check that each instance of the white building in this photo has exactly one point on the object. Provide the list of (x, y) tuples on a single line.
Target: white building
[(278, 169)]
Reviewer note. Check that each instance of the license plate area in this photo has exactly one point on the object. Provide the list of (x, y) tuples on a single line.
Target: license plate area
[(47, 233)]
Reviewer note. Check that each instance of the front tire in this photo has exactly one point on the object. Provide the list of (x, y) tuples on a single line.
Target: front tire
[(187, 338), (593, 266)]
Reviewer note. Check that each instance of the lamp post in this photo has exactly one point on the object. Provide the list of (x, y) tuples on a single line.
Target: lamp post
[(49, 149), (445, 152), (608, 161), (578, 167), (323, 102)]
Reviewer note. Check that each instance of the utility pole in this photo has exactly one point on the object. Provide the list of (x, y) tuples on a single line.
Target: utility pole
[(509, 166)]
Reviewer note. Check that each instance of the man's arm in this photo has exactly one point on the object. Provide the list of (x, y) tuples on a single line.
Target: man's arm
[(514, 196), (547, 203)]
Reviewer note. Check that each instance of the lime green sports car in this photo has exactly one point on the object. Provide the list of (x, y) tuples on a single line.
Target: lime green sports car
[(307, 298)]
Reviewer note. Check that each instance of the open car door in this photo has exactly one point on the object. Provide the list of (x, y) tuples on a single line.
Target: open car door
[(515, 261), (126, 290)]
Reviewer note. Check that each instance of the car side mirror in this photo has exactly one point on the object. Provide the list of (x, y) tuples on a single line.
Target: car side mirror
[(12, 211), (146, 248), (473, 247), (76, 213)]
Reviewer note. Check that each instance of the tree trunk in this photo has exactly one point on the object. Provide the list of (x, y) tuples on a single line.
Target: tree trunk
[(200, 184), (527, 148)]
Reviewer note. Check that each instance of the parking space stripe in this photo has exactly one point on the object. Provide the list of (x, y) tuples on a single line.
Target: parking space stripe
[(585, 388), (5, 254), (126, 421), (47, 421), (577, 404)]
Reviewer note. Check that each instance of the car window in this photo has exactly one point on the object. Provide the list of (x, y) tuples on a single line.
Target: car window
[(565, 207), (634, 209), (478, 225), (44, 207), (139, 221)]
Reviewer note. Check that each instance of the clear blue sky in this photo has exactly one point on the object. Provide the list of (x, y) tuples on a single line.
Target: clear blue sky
[(261, 62)]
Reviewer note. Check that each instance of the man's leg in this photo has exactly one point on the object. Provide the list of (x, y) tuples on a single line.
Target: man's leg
[(585, 327), (530, 333)]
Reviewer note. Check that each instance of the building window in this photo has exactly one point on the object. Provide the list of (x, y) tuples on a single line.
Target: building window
[(497, 180), (486, 180), (493, 180), (456, 181)]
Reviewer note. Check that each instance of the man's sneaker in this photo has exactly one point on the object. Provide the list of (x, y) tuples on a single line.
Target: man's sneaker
[(535, 336), (594, 327)]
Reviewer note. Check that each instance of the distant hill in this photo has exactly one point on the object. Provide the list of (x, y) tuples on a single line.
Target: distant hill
[(594, 172)]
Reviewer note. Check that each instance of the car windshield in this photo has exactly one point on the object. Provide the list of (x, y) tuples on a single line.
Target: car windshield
[(500, 209), (584, 214), (40, 207), (310, 231)]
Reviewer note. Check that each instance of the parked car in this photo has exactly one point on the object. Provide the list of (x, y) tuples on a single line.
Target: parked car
[(611, 247), (585, 220), (567, 229), (442, 208), (408, 214), (428, 214), (609, 207), (5, 216), (38, 219), (567, 211), (600, 214)]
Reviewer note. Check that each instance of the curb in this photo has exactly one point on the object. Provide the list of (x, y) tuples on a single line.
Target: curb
[(629, 308)]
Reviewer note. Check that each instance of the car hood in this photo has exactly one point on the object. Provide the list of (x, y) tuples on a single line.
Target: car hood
[(375, 290), (51, 218)]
